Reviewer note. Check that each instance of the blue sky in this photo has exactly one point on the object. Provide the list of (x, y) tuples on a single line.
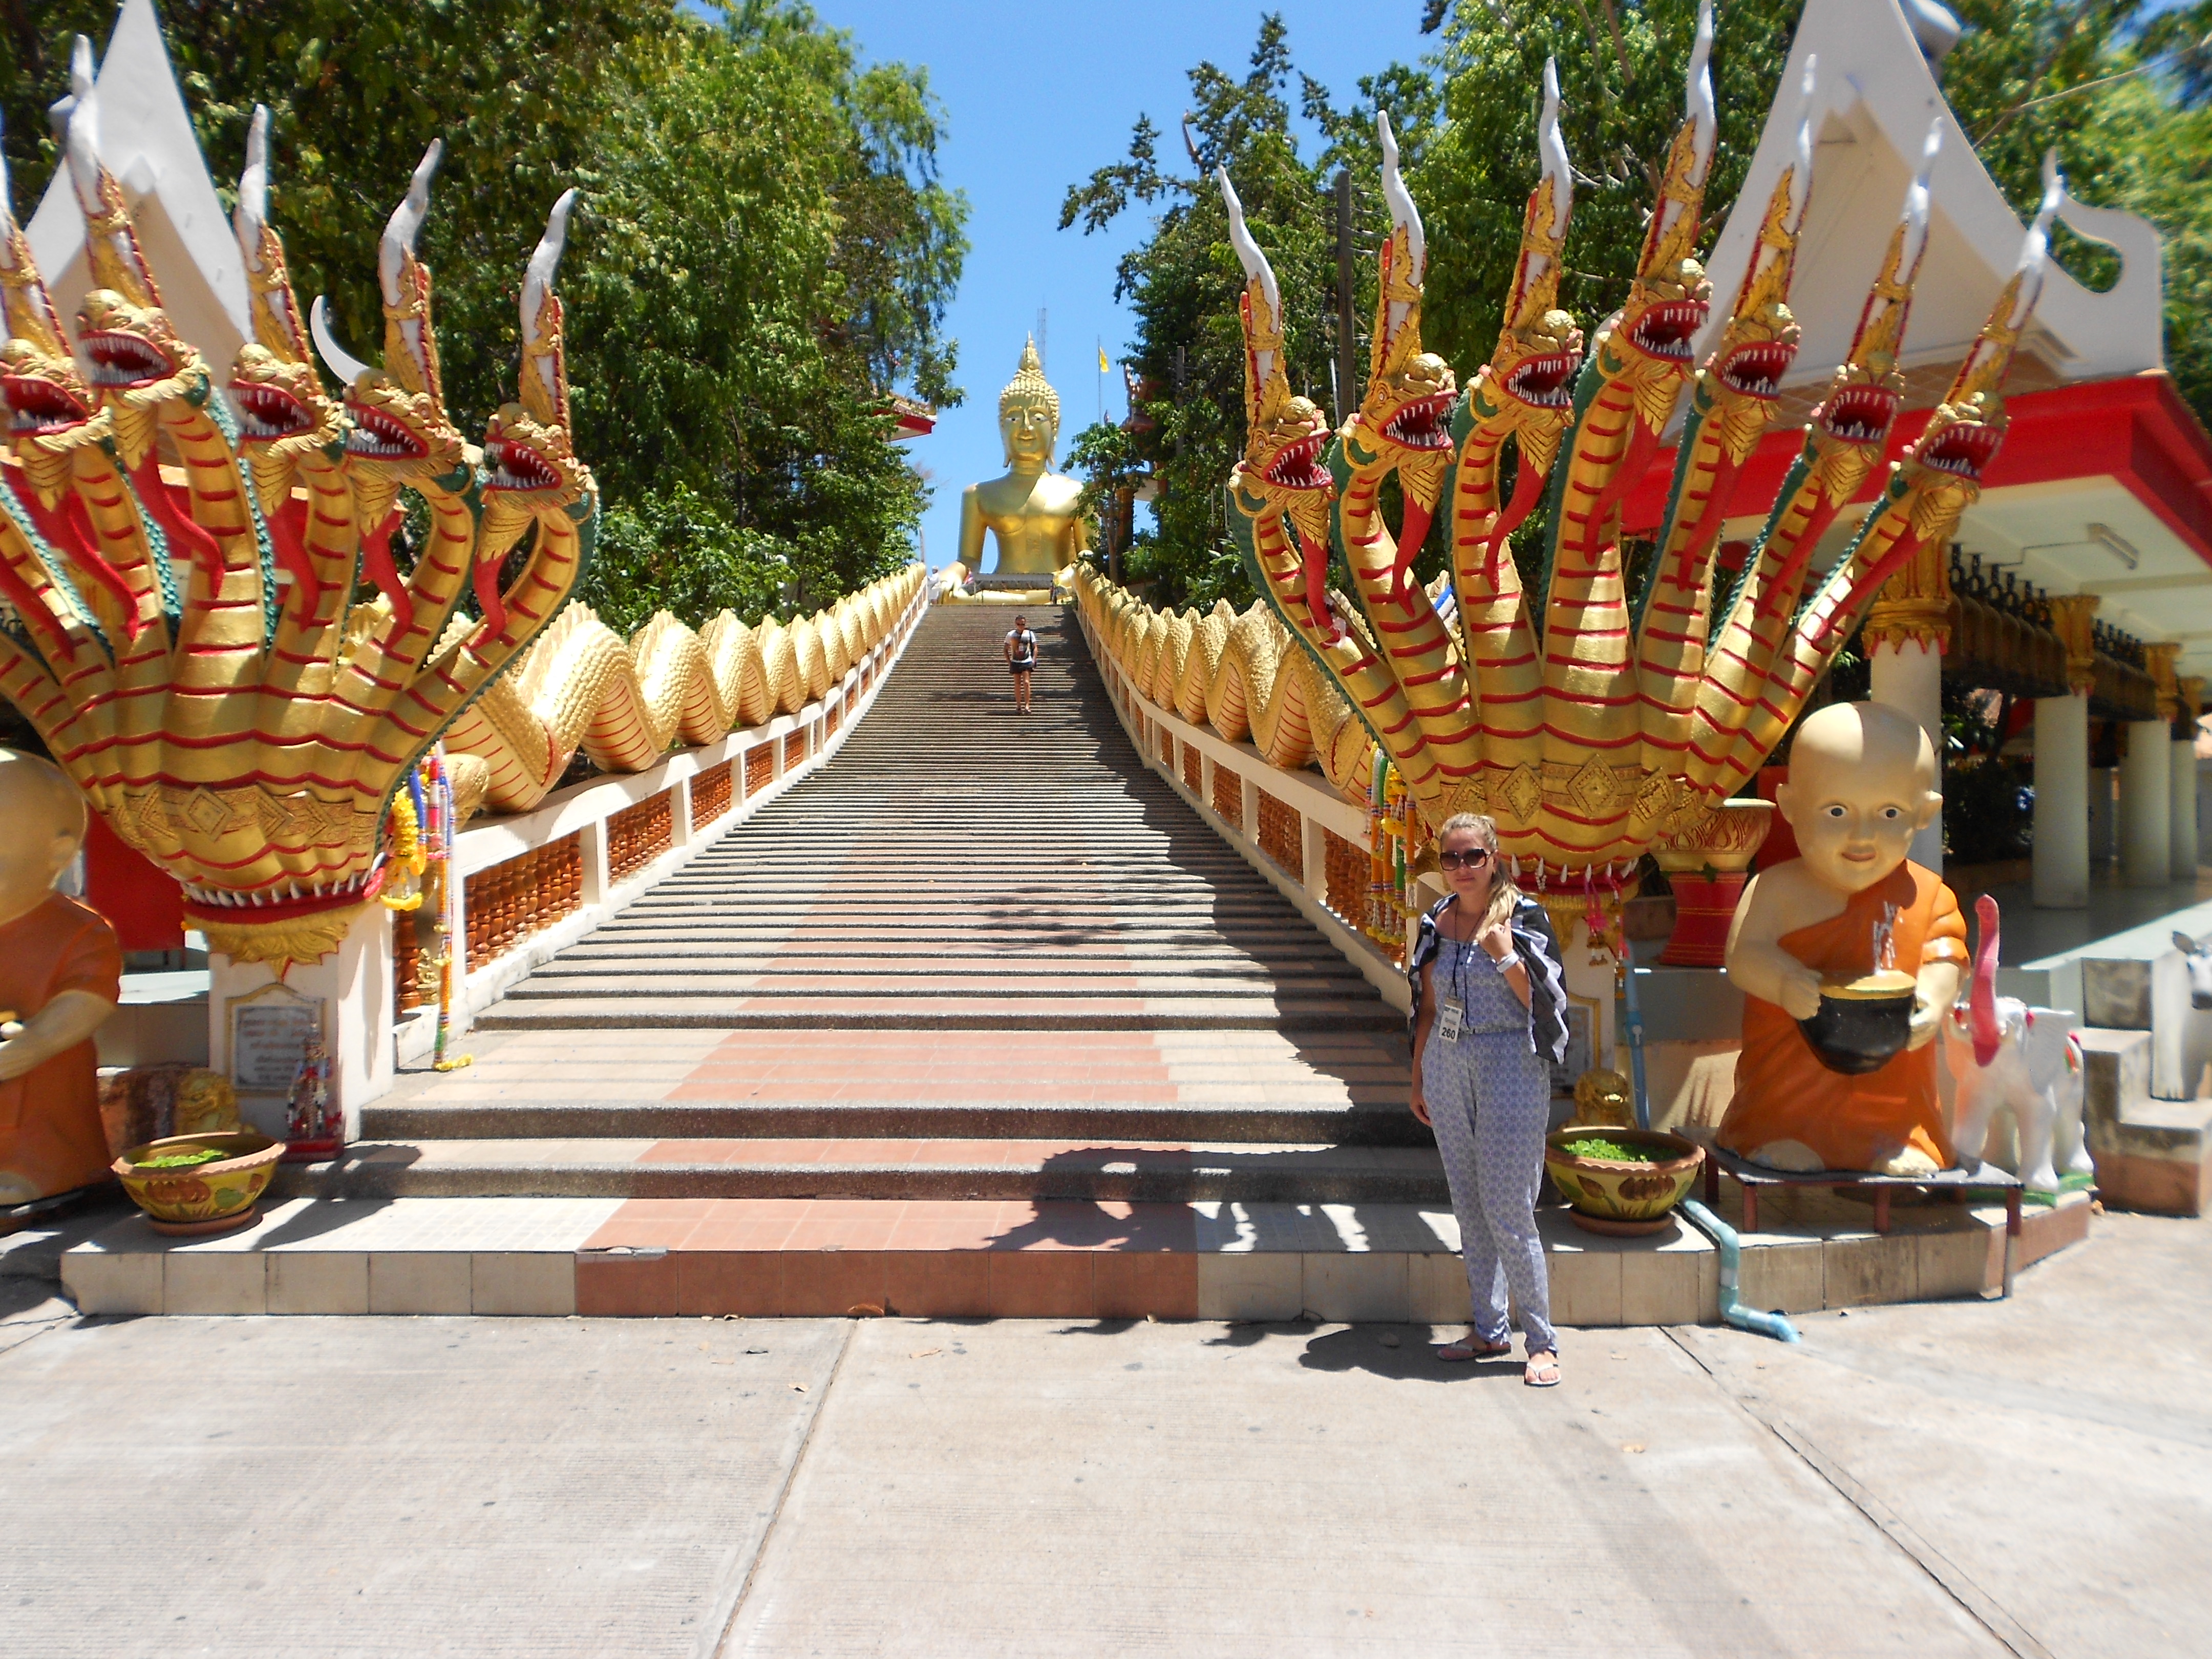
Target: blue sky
[(1036, 97)]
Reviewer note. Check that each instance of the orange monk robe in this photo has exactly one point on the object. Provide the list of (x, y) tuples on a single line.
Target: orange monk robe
[(50, 1132), (1783, 1091)]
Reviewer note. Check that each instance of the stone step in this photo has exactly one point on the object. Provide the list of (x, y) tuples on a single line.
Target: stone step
[(980, 955), (978, 1259), (795, 978), (833, 1258), (601, 1167), (522, 1011), (1373, 1115), (2150, 1154)]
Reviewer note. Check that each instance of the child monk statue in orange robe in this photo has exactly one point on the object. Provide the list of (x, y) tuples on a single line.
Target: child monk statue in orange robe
[(1862, 783), (60, 975)]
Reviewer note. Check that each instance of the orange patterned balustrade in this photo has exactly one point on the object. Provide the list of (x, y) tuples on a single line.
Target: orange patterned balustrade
[(1280, 836), (638, 835), (1229, 795), (1344, 876), (509, 902), (711, 794)]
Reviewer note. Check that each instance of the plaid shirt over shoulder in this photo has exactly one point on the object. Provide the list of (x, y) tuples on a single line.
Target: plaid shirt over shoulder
[(1538, 947)]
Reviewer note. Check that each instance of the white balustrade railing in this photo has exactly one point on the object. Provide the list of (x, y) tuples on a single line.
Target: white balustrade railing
[(631, 831), (536, 882), (1307, 840)]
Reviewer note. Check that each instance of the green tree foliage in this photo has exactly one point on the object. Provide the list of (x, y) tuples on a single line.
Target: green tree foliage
[(2123, 93), (1108, 459), (1621, 75), (763, 248), (2123, 96), (1183, 282)]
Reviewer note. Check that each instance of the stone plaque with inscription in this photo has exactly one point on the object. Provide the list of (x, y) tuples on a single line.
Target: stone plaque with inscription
[(269, 1038)]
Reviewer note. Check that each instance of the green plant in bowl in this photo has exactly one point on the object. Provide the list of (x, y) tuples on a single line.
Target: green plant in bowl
[(1621, 1181), (182, 1160), (202, 1183)]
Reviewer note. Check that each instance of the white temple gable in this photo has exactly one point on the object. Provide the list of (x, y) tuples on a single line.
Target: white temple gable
[(1875, 99), (145, 139)]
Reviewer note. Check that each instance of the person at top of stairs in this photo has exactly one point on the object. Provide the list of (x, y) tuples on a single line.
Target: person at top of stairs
[(1020, 658)]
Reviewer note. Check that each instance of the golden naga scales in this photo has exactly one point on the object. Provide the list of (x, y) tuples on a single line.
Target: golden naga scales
[(1589, 721), (178, 609)]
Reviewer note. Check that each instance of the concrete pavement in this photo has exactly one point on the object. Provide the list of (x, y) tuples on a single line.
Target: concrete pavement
[(1958, 1478)]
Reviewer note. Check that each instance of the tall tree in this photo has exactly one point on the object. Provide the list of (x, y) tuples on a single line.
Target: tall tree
[(1621, 80), (763, 249), (1183, 281)]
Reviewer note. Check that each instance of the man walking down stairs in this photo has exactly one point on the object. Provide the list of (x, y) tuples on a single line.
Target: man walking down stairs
[(980, 1018)]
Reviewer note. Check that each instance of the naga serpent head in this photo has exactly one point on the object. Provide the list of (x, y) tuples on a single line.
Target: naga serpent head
[(528, 450), (1652, 337), (398, 432), (1742, 379), (50, 413), (1650, 343), (51, 410), (1404, 420), (1961, 438), (1528, 384), (284, 415), (139, 361), (1850, 425), (1281, 474), (1963, 434)]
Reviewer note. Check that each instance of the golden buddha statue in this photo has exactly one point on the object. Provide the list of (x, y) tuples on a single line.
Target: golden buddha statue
[(1032, 509)]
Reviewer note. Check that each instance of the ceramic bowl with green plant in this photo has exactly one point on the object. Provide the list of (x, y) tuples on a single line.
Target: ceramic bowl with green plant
[(202, 1183), (1619, 1180)]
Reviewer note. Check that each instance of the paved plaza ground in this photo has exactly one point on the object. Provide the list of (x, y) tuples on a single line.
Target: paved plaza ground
[(1963, 1477)]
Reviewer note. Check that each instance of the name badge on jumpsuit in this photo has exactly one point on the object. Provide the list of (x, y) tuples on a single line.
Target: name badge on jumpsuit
[(1450, 1017)]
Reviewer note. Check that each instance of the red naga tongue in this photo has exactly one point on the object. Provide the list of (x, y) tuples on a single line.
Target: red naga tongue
[(1527, 488), (185, 535), (69, 528), (287, 539), (1315, 567), (1413, 531), (376, 560), (489, 598)]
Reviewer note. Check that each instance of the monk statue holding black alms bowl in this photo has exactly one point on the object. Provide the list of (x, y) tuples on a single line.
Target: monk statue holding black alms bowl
[(1849, 957)]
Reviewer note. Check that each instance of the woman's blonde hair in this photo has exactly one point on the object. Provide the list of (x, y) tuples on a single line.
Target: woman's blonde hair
[(1505, 894)]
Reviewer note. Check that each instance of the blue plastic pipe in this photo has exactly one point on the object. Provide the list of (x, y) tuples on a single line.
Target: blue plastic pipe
[(1731, 1248), (1723, 1235), (1638, 1094)]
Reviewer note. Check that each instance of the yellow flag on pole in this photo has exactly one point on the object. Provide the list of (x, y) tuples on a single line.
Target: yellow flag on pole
[(1103, 366)]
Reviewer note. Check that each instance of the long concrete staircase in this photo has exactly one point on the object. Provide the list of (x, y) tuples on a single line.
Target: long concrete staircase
[(980, 956)]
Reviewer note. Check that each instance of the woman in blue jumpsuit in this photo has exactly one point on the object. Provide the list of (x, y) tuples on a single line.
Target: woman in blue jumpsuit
[(1489, 1000)]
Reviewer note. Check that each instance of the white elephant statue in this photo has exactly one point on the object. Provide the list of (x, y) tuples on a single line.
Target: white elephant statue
[(2180, 1019), (2008, 1057)]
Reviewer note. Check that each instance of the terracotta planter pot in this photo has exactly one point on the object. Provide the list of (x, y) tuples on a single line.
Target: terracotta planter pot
[(1609, 1196), (201, 1198)]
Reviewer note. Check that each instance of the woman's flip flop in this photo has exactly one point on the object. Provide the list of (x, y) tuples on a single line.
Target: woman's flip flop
[(1468, 1348), (1539, 1364)]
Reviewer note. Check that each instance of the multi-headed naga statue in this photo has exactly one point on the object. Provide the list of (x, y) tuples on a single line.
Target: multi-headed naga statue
[(1589, 721), (246, 732)]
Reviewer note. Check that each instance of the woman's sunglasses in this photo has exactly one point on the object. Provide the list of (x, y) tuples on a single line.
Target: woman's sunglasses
[(1474, 858)]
